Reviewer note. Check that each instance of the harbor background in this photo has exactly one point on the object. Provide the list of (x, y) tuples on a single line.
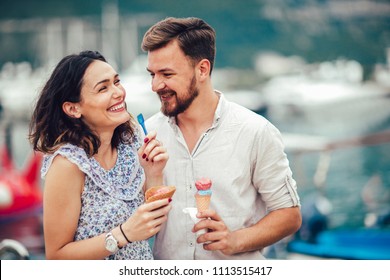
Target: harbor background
[(318, 70)]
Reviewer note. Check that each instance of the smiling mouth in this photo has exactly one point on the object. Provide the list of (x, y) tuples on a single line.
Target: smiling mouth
[(117, 108), (166, 96)]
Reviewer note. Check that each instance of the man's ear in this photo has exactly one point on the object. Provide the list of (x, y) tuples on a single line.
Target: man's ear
[(204, 68), (71, 109)]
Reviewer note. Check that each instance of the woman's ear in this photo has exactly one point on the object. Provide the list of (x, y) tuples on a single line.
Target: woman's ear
[(71, 109)]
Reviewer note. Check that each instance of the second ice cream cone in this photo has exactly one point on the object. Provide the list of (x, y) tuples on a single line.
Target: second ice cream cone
[(202, 202)]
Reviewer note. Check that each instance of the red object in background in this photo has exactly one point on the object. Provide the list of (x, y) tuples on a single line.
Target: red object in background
[(20, 190)]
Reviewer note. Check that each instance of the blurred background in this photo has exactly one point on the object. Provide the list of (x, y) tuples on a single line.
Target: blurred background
[(318, 69)]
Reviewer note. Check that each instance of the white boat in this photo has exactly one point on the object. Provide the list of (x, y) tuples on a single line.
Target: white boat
[(327, 106), (19, 88)]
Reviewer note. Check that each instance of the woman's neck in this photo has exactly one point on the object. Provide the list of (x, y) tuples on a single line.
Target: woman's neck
[(106, 155)]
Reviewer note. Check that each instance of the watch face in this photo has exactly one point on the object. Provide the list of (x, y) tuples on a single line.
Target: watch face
[(111, 244)]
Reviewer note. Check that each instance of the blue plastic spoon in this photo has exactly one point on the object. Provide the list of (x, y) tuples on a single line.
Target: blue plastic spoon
[(141, 121)]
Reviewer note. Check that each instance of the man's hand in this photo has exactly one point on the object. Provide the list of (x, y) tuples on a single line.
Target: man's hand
[(218, 236)]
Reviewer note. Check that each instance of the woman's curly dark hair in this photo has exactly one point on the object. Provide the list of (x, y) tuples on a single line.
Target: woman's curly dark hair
[(50, 127)]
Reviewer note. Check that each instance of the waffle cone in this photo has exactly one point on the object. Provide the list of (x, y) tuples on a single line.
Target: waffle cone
[(159, 192), (202, 202)]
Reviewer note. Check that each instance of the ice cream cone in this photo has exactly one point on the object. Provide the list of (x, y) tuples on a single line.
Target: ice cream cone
[(202, 202), (159, 192)]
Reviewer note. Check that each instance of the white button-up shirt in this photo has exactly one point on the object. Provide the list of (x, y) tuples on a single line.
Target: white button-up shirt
[(243, 155)]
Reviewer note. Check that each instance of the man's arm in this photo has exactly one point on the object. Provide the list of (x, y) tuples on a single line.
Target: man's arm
[(270, 229)]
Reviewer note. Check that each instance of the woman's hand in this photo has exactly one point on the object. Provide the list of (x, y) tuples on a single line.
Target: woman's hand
[(153, 158), (147, 220)]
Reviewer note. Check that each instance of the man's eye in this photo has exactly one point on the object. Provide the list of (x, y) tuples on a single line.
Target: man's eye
[(102, 89), (117, 81)]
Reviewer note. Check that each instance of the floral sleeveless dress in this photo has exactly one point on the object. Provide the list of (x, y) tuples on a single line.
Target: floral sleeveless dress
[(110, 196)]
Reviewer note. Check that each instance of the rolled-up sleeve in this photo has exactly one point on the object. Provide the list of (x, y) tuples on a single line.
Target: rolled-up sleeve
[(272, 175)]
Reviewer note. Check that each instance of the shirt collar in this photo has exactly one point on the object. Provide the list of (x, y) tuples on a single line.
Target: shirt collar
[(220, 109)]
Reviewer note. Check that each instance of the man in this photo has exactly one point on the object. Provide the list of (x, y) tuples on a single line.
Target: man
[(254, 202)]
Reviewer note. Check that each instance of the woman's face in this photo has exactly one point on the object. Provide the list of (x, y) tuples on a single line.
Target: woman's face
[(102, 104)]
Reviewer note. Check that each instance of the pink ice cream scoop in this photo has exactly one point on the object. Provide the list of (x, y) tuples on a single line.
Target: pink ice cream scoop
[(203, 184), (203, 195)]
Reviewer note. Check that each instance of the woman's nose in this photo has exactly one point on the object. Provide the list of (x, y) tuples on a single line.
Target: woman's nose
[(118, 91)]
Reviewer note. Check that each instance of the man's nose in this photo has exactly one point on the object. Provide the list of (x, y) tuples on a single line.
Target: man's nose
[(157, 84)]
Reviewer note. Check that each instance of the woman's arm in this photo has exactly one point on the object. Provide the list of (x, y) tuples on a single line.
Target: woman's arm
[(62, 203)]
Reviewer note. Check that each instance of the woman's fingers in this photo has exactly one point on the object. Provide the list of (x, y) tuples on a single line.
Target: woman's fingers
[(154, 205), (148, 138), (158, 154), (147, 220), (152, 148)]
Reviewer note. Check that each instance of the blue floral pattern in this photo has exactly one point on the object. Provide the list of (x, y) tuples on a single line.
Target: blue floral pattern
[(110, 196)]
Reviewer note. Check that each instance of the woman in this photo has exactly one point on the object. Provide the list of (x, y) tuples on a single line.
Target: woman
[(95, 165)]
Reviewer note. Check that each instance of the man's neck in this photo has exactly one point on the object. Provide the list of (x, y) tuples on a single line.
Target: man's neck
[(197, 118), (200, 115)]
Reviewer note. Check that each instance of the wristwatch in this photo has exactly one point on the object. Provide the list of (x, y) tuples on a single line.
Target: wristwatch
[(111, 243)]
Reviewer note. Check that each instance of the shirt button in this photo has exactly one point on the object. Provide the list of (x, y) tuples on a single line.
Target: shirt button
[(191, 244)]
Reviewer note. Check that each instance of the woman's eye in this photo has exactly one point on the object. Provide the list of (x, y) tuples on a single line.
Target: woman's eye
[(102, 89), (117, 81)]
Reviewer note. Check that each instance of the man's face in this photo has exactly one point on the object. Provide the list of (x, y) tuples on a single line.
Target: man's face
[(173, 78)]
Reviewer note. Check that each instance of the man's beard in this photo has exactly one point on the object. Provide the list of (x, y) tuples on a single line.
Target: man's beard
[(181, 103)]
